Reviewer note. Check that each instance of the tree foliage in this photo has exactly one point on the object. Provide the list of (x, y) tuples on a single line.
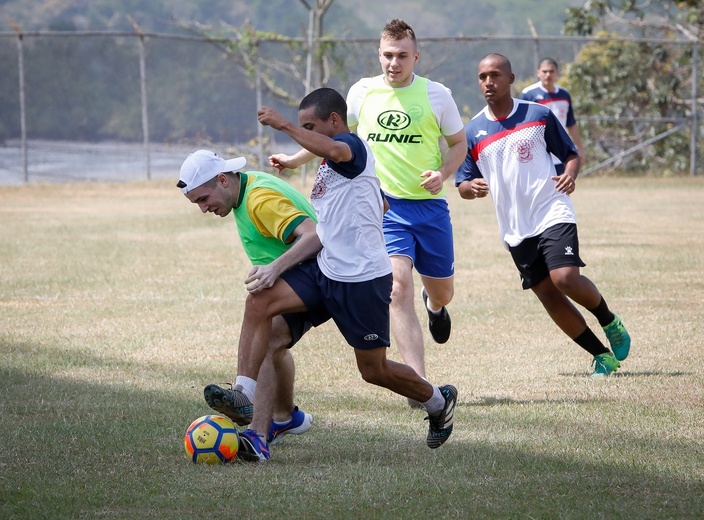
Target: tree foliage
[(661, 18), (648, 79)]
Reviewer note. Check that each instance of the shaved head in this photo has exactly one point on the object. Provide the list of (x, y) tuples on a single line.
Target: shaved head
[(501, 61)]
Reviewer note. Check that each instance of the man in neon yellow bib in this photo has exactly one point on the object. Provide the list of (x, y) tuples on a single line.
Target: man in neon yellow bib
[(403, 117)]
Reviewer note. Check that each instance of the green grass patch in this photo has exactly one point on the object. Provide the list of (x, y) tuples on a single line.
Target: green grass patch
[(118, 303)]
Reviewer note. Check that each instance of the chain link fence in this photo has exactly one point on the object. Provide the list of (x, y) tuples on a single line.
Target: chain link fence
[(126, 106)]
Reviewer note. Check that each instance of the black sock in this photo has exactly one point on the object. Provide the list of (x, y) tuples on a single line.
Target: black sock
[(589, 342), (602, 313)]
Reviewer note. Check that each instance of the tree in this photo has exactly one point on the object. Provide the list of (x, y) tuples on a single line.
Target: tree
[(650, 18), (648, 79), (281, 78), (615, 80), (315, 33)]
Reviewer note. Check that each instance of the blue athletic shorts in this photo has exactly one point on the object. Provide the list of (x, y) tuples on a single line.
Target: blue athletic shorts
[(359, 309), (422, 231), (535, 257)]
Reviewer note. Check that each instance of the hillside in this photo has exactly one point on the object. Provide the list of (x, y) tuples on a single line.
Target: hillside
[(359, 19)]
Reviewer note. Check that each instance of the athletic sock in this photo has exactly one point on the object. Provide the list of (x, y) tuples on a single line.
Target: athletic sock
[(602, 313), (436, 403), (436, 312), (248, 385), (589, 342)]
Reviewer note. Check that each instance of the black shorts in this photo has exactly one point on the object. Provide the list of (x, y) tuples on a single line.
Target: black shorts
[(359, 309), (535, 257), (298, 324)]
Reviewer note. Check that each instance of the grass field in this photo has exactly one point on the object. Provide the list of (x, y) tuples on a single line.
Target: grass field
[(118, 303)]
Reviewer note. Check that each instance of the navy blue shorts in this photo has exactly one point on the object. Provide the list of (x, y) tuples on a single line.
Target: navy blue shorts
[(422, 231), (359, 309), (535, 257), (298, 323)]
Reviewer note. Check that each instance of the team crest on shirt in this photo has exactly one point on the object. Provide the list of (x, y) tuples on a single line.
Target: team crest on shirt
[(523, 149)]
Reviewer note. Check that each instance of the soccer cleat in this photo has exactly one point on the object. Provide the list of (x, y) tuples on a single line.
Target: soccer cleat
[(440, 426), (439, 325), (230, 402), (619, 339), (252, 448), (604, 364), (299, 423)]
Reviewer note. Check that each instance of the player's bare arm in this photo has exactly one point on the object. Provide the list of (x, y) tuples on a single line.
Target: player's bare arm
[(308, 135), (306, 244), (576, 137), (451, 160), (282, 161)]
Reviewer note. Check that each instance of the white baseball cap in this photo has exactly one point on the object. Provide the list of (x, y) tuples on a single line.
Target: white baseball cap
[(203, 165)]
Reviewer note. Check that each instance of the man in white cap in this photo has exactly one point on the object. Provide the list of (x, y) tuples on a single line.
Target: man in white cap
[(277, 228)]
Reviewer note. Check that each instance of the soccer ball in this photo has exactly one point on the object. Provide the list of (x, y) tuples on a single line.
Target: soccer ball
[(211, 439)]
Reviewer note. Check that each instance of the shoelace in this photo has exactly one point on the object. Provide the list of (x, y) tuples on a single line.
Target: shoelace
[(614, 333)]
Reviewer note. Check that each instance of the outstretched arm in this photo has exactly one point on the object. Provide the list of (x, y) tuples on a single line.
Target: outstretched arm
[(282, 161), (318, 144)]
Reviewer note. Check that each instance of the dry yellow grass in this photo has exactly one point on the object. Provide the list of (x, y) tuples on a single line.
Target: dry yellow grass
[(128, 293)]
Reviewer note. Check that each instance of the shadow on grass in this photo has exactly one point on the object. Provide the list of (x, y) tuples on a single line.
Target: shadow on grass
[(77, 449), (632, 374), (497, 401)]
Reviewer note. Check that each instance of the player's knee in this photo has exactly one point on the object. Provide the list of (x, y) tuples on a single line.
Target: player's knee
[(567, 284), (258, 305), (371, 373), (442, 297)]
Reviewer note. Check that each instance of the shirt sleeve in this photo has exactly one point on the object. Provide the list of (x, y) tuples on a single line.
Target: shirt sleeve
[(558, 142), (358, 163), (468, 170), (355, 96), (445, 109), (273, 214)]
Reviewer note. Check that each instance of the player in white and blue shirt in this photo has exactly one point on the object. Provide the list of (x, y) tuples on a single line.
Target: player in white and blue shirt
[(557, 100), (511, 143), (350, 280), (513, 155), (546, 92)]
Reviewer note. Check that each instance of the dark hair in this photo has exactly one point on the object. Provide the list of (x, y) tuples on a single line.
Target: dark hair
[(549, 61), (325, 101), (397, 29), (502, 59)]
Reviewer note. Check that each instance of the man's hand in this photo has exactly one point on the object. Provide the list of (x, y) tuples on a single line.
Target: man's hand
[(564, 183), (269, 117), (282, 161), (433, 181), (261, 277), (474, 189)]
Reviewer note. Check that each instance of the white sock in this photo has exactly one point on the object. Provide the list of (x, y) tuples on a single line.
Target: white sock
[(436, 403), (248, 385), (427, 306)]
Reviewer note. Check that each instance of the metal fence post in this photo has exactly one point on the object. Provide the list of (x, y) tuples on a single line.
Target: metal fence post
[(143, 89), (695, 109), (145, 112), (23, 116), (258, 87)]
